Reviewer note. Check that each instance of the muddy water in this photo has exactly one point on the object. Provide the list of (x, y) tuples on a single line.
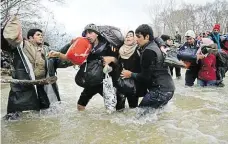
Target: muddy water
[(194, 115)]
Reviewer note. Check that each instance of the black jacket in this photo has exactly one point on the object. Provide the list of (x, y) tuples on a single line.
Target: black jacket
[(133, 63), (28, 97), (97, 53), (153, 72)]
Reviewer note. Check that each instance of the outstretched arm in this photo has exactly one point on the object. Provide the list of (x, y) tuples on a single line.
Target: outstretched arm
[(12, 32), (56, 54)]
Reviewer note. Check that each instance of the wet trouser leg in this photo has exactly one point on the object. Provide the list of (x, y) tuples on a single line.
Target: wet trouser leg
[(190, 75), (120, 101), (178, 71), (88, 93), (171, 70), (156, 99), (121, 98), (141, 90), (206, 83), (201, 83), (211, 83), (132, 100), (43, 98)]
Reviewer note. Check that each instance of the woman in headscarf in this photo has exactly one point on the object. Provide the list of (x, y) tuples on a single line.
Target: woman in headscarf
[(129, 59)]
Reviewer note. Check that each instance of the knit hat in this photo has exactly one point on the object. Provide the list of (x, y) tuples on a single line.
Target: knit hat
[(216, 26), (165, 37), (190, 33), (92, 27), (206, 41)]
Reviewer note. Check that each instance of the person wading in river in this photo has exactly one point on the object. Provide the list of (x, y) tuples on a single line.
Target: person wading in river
[(29, 63)]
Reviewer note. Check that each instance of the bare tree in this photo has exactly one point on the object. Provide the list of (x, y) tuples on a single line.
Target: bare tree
[(30, 13), (23, 8), (188, 17)]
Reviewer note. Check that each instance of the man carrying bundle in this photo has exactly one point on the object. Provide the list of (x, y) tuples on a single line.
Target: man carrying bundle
[(99, 54)]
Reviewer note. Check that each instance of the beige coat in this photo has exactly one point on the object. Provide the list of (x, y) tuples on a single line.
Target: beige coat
[(36, 56)]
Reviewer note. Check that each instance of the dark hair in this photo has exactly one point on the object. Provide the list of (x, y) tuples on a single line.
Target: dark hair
[(31, 32), (145, 30), (165, 37), (131, 31), (90, 30)]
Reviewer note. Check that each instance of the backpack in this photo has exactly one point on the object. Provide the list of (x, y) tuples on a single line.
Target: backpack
[(112, 34), (79, 50)]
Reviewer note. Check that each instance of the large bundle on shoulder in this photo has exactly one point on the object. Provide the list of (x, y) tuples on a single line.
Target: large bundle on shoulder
[(112, 34), (171, 58), (90, 73), (81, 47)]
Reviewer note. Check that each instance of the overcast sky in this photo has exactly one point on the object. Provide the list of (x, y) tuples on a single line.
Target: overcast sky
[(126, 14)]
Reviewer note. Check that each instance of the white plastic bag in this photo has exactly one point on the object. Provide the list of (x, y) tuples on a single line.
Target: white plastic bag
[(109, 94)]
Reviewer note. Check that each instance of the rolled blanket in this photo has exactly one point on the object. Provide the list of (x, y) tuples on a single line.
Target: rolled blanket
[(46, 81)]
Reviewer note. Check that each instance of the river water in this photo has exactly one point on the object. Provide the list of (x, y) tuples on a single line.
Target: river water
[(194, 116)]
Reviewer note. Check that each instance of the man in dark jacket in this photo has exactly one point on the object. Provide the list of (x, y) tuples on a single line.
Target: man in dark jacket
[(30, 63), (188, 53), (153, 73), (101, 51)]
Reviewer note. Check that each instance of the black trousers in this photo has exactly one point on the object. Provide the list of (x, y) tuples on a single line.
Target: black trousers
[(133, 99), (177, 69), (191, 75), (43, 98), (89, 92)]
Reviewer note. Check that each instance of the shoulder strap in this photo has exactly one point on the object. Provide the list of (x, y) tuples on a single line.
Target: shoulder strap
[(138, 52)]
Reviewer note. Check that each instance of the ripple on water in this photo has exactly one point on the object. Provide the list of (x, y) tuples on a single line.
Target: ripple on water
[(194, 115)]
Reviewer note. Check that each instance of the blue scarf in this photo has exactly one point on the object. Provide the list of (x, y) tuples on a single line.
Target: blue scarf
[(217, 37)]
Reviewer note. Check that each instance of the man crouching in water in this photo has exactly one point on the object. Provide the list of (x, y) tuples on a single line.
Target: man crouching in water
[(153, 73), (100, 51)]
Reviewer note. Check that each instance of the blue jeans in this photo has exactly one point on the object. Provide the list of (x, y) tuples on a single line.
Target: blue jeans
[(156, 99), (206, 83)]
